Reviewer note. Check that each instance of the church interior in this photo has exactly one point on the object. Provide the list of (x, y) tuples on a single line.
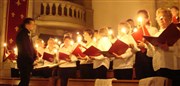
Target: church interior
[(55, 18)]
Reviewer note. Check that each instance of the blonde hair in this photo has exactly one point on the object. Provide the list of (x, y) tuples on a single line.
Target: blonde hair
[(167, 13)]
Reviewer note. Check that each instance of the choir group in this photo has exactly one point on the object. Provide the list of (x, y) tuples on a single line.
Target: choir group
[(147, 59)]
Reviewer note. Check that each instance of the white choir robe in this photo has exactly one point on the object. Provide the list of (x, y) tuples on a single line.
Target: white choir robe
[(47, 63), (88, 60), (164, 59), (103, 44), (73, 58), (128, 57)]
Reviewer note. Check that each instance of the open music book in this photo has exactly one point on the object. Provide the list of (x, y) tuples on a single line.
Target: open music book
[(169, 36)]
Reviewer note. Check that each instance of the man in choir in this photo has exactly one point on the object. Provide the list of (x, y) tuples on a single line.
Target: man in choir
[(123, 64), (26, 51), (166, 59), (101, 63), (67, 66), (143, 64), (175, 14), (86, 64)]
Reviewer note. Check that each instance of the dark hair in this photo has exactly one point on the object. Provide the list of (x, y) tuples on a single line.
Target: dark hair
[(26, 21), (175, 7), (66, 37), (89, 31), (146, 13), (128, 20)]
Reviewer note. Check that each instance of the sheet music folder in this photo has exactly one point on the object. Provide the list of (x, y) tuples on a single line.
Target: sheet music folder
[(170, 35)]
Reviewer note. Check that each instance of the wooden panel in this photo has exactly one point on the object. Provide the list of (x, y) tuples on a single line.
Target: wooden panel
[(90, 82)]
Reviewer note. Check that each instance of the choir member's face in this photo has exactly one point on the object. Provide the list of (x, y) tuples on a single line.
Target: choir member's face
[(122, 30), (50, 42), (163, 20), (86, 36), (31, 25), (174, 12), (67, 42)]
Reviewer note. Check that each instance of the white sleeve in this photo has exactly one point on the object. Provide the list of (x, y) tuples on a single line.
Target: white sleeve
[(100, 57), (127, 54), (150, 49)]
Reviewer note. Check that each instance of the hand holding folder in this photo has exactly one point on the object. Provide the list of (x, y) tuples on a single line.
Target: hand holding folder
[(92, 51), (77, 51), (118, 47), (138, 36), (169, 36), (48, 57)]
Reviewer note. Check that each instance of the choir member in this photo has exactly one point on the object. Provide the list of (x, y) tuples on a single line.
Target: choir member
[(67, 66), (143, 64), (123, 64), (101, 63), (175, 14), (86, 64), (132, 24), (166, 59), (51, 48), (39, 46)]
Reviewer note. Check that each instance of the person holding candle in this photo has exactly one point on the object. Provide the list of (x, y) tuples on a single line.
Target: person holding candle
[(143, 64), (67, 66), (26, 51), (101, 63), (123, 64), (86, 64)]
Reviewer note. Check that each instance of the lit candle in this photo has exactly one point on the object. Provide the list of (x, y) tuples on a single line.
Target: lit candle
[(110, 32), (15, 50), (55, 50), (123, 30), (140, 19), (36, 46), (72, 42), (56, 40), (5, 45), (94, 39), (79, 38), (59, 42), (135, 30)]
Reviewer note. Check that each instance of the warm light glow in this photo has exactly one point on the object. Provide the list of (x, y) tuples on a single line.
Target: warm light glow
[(36, 45), (110, 32), (56, 40), (15, 50), (72, 42), (123, 30), (79, 38), (140, 19), (77, 33), (94, 39), (55, 50), (42, 41), (135, 30), (5, 45), (59, 42)]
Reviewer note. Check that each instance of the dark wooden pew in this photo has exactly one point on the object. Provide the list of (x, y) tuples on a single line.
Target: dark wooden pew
[(33, 82)]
